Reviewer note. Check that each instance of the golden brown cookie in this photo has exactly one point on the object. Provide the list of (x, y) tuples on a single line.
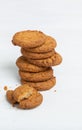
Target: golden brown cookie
[(23, 92), (32, 102), (29, 39), (49, 45), (54, 60), (36, 77), (25, 97), (41, 86), (58, 59), (24, 65), (36, 56), (9, 95)]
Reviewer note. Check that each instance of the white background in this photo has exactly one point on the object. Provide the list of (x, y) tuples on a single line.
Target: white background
[(62, 19)]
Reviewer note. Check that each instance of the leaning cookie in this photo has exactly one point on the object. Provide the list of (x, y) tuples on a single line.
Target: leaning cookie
[(49, 45), (41, 86), (29, 38), (36, 77), (54, 60), (24, 65), (36, 56)]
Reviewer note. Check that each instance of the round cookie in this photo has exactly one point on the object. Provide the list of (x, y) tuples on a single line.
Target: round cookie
[(29, 38), (24, 65), (49, 45), (41, 86), (54, 60), (32, 102), (36, 56), (58, 59), (36, 77), (25, 97)]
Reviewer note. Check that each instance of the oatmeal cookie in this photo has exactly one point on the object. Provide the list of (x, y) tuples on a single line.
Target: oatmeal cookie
[(10, 98), (24, 65), (54, 60), (36, 77), (41, 86), (23, 92), (32, 102), (29, 38), (36, 56), (25, 97), (49, 45)]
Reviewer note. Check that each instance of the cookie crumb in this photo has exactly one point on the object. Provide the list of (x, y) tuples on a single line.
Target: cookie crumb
[(5, 88), (54, 90)]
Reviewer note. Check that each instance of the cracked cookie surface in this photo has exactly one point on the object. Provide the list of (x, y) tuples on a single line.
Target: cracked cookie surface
[(24, 97), (23, 92), (32, 102), (10, 98), (41, 86)]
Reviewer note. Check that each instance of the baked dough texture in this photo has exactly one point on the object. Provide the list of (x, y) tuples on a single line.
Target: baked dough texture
[(24, 97), (36, 77), (41, 86), (29, 38)]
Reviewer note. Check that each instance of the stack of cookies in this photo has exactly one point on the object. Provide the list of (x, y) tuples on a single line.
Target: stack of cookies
[(38, 57)]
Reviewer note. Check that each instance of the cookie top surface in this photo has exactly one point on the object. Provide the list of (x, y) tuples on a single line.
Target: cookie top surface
[(29, 38), (49, 45), (24, 65), (23, 92), (32, 102)]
